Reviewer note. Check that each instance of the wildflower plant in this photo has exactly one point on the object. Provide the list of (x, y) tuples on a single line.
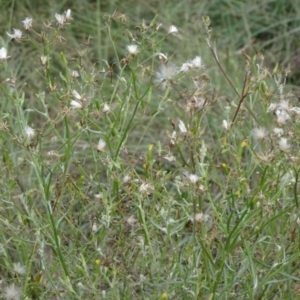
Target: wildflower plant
[(137, 177)]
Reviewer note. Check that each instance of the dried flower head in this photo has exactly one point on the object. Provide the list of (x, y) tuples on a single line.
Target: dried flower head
[(182, 127), (60, 20), (146, 188), (20, 269), (76, 105), (17, 35), (94, 226), (75, 74), (131, 220), (132, 49), (11, 292), (106, 108), (284, 145), (259, 133), (195, 103), (272, 107), (185, 67), (282, 116), (29, 132), (166, 74), (225, 125), (3, 54), (99, 196), (68, 15), (193, 178), (196, 63), (101, 145), (172, 29), (126, 179), (162, 57), (43, 60), (27, 23), (278, 131), (200, 217), (76, 95), (284, 104)]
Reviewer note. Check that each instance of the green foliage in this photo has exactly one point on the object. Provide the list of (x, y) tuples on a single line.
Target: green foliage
[(134, 169)]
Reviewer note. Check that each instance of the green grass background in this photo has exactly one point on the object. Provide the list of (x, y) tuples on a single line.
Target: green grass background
[(246, 251)]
